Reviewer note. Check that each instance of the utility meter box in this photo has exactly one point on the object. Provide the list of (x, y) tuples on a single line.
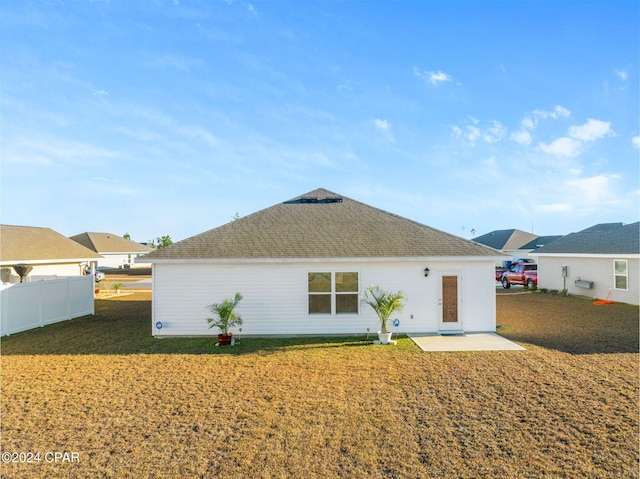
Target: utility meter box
[(5, 275)]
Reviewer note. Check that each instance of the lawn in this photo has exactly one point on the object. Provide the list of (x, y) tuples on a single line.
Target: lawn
[(135, 407)]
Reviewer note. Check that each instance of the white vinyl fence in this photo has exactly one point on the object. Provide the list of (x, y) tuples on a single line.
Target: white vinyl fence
[(28, 305)]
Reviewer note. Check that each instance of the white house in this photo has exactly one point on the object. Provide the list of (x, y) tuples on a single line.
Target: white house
[(116, 251), (513, 242), (50, 254), (55, 289), (303, 264), (602, 262)]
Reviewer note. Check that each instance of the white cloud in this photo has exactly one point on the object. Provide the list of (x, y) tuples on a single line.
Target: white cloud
[(635, 141), (594, 190), (101, 92), (492, 133), (571, 145), (574, 195), (495, 132), (528, 123), (522, 137), (470, 132), (432, 77), (531, 121), (555, 208), (57, 152), (623, 74), (252, 9), (382, 124), (557, 112), (591, 130), (438, 77), (562, 147)]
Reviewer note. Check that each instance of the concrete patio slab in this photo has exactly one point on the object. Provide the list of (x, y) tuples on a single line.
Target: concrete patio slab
[(467, 342)]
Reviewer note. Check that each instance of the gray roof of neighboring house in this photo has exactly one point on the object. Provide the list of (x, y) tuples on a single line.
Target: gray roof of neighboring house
[(540, 241), (606, 238), (109, 243), (29, 244), (505, 239), (321, 224)]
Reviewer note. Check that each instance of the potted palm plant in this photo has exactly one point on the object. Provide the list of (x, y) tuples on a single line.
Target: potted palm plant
[(384, 303), (225, 318)]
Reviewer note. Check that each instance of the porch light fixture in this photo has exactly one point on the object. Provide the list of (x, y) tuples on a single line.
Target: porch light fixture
[(426, 272)]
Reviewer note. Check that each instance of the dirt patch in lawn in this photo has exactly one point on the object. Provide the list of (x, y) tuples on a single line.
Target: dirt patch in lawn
[(134, 407)]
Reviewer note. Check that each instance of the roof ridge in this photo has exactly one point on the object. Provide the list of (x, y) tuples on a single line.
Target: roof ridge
[(323, 229)]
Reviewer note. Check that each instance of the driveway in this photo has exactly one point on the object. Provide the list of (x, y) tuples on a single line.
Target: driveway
[(513, 289)]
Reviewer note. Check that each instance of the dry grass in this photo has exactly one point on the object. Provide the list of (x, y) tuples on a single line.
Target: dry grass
[(134, 407)]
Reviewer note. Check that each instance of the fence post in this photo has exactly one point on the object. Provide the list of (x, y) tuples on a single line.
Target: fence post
[(3, 310), (69, 297), (40, 303)]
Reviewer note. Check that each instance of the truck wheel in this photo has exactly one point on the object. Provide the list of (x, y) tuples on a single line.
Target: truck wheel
[(530, 284), (505, 283)]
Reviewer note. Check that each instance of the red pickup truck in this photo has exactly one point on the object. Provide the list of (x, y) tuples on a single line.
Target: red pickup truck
[(520, 273)]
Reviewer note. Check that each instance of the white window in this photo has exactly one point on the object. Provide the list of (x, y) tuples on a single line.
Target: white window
[(620, 274), (333, 293)]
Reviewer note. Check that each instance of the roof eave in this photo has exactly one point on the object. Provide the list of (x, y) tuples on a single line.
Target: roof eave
[(319, 260), (589, 255), (11, 262)]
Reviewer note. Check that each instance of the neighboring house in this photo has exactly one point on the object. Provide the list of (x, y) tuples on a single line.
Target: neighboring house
[(117, 252), (515, 243), (303, 264), (508, 242), (51, 254), (539, 242), (602, 262)]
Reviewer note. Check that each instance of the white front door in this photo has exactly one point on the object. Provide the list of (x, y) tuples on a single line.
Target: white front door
[(449, 302)]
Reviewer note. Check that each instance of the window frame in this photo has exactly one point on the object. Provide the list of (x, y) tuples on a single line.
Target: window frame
[(319, 293), (334, 293), (624, 275)]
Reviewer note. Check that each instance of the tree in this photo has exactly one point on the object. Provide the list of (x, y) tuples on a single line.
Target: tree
[(161, 241), (127, 236), (384, 303), (225, 315)]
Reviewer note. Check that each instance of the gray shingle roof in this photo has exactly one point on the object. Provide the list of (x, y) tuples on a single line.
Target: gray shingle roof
[(505, 239), (109, 243), (321, 224), (540, 241), (32, 244), (612, 238)]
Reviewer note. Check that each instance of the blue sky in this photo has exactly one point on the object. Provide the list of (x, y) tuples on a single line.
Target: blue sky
[(169, 117)]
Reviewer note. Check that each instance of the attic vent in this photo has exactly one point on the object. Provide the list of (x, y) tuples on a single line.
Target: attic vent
[(299, 201)]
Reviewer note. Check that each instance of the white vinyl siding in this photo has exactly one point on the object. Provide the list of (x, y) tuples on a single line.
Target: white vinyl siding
[(119, 260), (599, 270), (276, 296), (46, 271)]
